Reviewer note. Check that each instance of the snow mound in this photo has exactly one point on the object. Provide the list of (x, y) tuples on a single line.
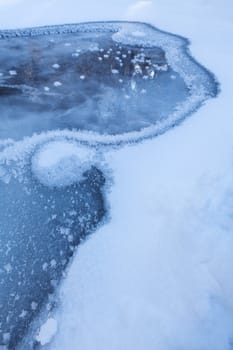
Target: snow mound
[(61, 163)]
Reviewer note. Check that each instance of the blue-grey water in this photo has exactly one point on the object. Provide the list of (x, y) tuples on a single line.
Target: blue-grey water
[(83, 81)]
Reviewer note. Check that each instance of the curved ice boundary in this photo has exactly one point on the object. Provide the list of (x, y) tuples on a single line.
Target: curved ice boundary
[(146, 44)]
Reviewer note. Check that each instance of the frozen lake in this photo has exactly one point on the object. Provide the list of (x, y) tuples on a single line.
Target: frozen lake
[(76, 89)]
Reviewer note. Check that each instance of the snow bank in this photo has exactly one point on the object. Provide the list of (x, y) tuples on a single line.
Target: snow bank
[(158, 276)]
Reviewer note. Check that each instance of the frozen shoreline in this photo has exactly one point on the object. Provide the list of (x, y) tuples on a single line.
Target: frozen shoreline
[(158, 275)]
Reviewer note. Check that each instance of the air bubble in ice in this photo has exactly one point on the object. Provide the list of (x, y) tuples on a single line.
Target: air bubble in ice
[(110, 55)]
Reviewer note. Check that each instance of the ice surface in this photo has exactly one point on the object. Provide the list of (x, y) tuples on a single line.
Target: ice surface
[(41, 223), (112, 79)]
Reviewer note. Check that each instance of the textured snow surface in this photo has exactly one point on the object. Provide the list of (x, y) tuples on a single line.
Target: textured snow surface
[(61, 163), (158, 275)]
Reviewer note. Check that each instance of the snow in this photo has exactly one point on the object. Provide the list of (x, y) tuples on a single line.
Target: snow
[(61, 163), (47, 331), (158, 275)]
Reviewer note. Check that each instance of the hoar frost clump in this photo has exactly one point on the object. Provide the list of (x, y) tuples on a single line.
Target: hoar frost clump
[(61, 163)]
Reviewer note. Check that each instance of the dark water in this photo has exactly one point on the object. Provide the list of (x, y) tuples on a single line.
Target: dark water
[(84, 81)]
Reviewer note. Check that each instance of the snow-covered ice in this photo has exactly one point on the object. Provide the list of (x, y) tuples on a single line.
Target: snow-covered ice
[(158, 275)]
